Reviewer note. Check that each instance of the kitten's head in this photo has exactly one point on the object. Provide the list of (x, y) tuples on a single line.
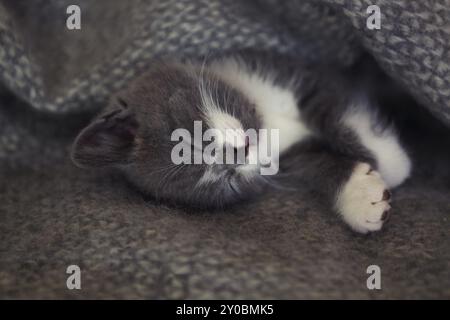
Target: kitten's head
[(136, 130)]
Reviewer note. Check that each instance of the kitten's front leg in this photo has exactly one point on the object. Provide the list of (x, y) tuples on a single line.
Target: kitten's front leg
[(357, 192), (363, 200)]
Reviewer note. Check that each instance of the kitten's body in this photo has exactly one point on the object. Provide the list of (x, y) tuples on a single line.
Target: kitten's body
[(351, 126), (343, 145)]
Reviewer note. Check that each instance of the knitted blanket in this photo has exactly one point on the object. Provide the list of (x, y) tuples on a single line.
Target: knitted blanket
[(284, 246)]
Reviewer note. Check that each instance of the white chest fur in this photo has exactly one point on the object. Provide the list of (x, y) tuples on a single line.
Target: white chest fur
[(275, 104)]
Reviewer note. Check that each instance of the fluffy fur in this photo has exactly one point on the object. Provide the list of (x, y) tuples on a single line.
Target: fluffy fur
[(345, 147)]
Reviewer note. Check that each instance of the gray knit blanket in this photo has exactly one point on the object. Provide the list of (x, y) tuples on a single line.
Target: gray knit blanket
[(59, 70), (53, 215)]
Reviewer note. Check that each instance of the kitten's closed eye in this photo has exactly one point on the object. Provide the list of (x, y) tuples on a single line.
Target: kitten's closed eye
[(122, 102)]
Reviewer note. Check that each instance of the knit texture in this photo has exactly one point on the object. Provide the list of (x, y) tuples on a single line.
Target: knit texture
[(284, 245)]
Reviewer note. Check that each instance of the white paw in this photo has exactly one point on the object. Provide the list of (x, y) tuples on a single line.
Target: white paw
[(363, 201)]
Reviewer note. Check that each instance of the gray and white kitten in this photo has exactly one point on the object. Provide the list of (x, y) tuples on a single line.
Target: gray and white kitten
[(342, 144)]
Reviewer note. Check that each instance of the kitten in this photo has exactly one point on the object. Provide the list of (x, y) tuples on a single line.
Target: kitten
[(331, 133)]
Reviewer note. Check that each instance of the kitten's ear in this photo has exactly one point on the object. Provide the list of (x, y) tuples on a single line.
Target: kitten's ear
[(107, 141)]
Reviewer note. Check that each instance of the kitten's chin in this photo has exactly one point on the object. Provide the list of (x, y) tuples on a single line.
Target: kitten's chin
[(253, 170), (248, 171)]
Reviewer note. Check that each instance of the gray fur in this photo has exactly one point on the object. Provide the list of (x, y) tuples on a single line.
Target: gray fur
[(137, 124), (164, 99)]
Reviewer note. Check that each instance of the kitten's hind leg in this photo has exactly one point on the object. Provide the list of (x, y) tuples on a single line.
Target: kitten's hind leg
[(382, 142), (352, 187)]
